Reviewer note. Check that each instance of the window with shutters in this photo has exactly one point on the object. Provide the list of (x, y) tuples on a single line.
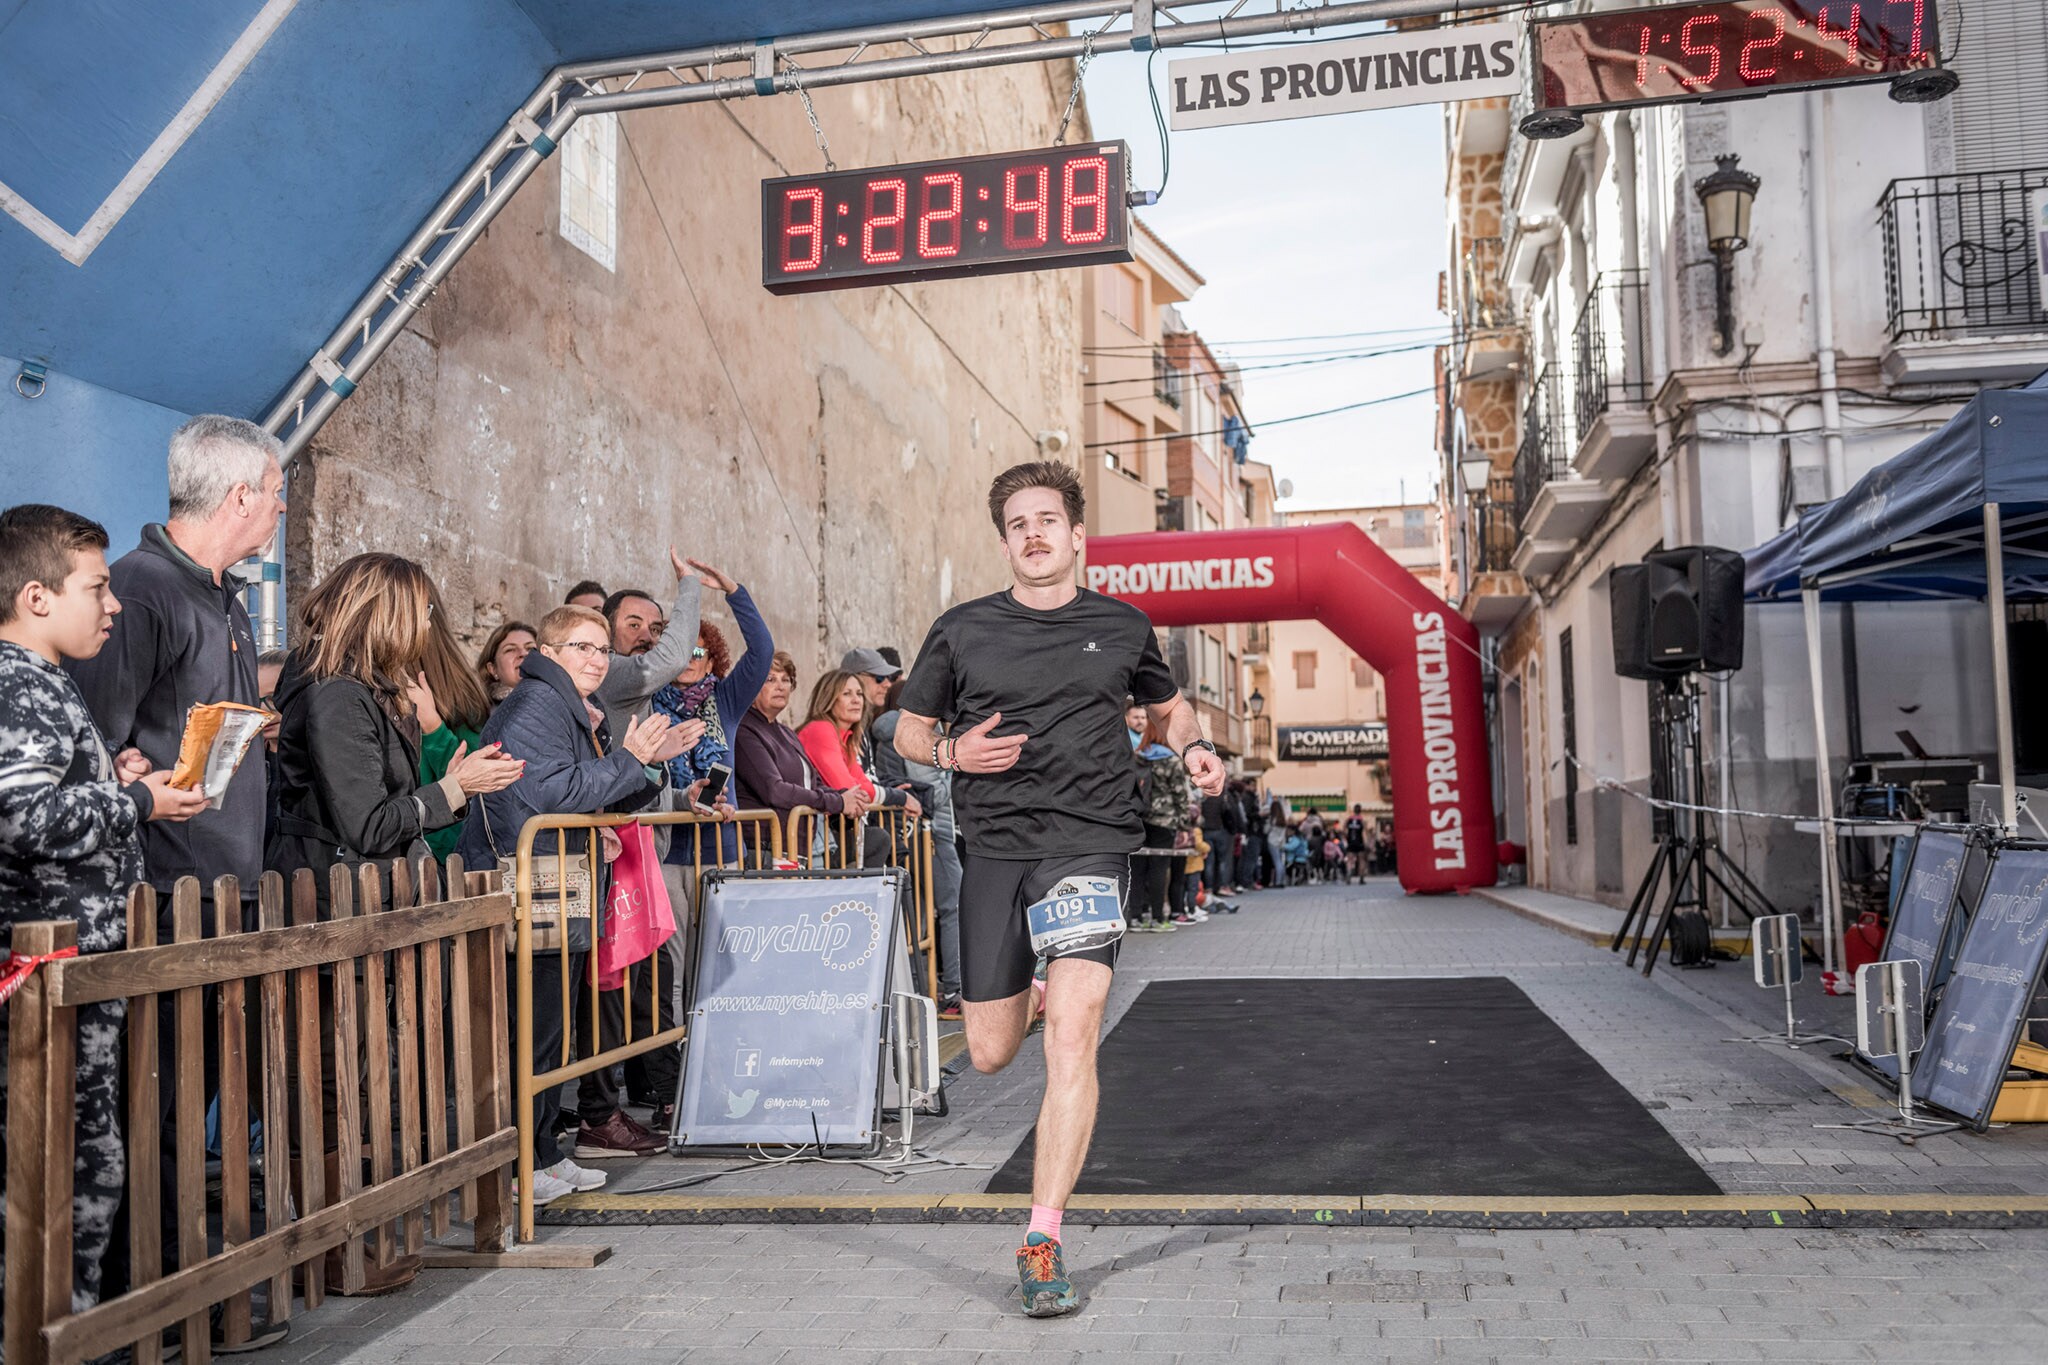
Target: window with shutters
[(1305, 669), (1122, 293), (2001, 52), (1361, 674), (1126, 438)]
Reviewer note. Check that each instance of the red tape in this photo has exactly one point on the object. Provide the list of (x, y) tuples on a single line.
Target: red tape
[(16, 969)]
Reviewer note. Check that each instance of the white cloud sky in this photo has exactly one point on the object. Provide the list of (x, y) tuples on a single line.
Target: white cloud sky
[(1309, 227)]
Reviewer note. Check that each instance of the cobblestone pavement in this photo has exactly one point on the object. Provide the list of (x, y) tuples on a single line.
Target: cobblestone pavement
[(849, 1293)]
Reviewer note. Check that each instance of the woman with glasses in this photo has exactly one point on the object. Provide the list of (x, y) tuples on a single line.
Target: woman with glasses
[(573, 767)]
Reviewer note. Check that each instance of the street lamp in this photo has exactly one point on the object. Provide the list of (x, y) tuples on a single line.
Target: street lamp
[(1727, 195), (1476, 472), (1257, 701)]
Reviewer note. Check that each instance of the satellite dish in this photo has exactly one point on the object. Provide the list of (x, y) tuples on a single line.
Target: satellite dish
[(1286, 488)]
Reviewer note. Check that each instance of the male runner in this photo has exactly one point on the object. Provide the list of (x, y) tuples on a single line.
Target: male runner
[(1033, 681)]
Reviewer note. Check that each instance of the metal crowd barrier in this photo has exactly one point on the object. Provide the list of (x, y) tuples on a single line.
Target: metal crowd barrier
[(818, 839), (759, 844)]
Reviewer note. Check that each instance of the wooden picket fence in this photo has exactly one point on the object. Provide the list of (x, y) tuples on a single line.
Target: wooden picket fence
[(418, 1013)]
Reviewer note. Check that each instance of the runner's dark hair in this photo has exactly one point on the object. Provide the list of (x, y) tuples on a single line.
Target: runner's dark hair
[(1060, 478)]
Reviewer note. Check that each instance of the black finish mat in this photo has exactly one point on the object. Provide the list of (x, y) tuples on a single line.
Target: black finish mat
[(1418, 1085)]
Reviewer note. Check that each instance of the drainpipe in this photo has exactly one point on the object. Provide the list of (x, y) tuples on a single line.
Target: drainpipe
[(1650, 159), (1821, 215)]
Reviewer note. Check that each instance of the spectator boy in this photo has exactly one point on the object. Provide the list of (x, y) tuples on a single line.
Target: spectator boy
[(70, 822)]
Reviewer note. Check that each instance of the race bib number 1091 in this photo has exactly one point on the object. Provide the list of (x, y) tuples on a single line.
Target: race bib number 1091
[(1081, 913)]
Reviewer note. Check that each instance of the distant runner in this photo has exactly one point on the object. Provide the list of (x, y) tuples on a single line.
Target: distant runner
[(1033, 682)]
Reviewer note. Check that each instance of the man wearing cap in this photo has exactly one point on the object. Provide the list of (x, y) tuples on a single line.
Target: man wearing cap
[(876, 672)]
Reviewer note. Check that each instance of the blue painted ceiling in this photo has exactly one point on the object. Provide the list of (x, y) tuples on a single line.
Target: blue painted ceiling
[(242, 254)]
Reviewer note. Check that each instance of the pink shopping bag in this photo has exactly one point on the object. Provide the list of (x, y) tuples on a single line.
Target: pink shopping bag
[(638, 917)]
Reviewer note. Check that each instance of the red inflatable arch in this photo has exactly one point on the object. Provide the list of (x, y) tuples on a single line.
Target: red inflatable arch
[(1428, 654)]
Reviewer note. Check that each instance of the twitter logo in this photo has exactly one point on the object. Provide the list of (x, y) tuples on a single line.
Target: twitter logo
[(740, 1105)]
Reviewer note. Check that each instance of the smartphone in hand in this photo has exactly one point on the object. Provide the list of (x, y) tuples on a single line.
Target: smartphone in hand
[(715, 779)]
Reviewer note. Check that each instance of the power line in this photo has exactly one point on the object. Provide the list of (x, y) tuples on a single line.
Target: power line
[(1268, 422), (1334, 358)]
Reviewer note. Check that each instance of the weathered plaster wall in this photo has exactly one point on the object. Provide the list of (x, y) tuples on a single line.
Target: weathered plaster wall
[(546, 419)]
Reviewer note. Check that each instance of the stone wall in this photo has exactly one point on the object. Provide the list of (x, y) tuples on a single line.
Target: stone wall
[(547, 419)]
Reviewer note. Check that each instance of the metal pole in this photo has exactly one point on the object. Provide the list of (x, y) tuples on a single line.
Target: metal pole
[(2001, 667), (1830, 891)]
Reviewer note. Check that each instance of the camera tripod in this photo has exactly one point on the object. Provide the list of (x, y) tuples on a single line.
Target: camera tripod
[(1688, 854)]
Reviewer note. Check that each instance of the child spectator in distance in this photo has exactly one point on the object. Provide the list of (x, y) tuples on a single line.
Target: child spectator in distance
[(69, 820)]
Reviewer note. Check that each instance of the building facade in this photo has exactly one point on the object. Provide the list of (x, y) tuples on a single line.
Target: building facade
[(1320, 688), (1596, 409), (603, 377), (1167, 448)]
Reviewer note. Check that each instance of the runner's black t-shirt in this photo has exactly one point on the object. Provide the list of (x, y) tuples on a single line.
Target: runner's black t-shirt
[(1060, 677)]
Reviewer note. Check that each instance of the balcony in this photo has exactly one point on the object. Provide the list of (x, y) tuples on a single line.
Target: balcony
[(1496, 591), (1489, 334), (1612, 380), (1258, 640), (1168, 380), (1558, 505), (1961, 277)]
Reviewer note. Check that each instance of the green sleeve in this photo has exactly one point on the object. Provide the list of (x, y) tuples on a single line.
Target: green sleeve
[(437, 751)]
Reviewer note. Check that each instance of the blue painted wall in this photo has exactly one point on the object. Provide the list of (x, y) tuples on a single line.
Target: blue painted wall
[(90, 449)]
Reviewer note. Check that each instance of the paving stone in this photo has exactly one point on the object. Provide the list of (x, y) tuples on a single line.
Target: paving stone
[(944, 1293)]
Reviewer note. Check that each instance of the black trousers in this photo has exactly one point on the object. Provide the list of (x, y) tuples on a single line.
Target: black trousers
[(550, 1013), (1151, 876)]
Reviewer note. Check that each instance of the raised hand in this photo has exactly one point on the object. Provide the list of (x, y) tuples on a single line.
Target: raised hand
[(712, 577), (979, 752)]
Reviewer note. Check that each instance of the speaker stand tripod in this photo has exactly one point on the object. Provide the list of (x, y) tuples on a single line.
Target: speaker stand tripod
[(1688, 854)]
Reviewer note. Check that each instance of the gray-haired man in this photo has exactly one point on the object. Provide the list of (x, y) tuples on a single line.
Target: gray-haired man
[(182, 638)]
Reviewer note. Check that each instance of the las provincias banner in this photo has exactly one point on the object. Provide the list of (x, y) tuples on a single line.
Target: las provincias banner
[(1385, 71)]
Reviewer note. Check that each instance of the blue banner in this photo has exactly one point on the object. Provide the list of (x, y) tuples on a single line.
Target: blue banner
[(1970, 1041), (787, 1012)]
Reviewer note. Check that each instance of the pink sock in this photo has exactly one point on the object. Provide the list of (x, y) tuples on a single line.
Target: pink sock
[(1045, 1220)]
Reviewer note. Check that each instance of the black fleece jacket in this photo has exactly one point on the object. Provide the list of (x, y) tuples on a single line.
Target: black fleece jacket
[(180, 639)]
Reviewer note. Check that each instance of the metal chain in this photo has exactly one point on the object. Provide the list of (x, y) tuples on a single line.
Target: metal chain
[(1074, 95), (817, 130)]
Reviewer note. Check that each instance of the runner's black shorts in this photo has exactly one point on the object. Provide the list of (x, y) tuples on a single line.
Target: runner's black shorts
[(995, 939)]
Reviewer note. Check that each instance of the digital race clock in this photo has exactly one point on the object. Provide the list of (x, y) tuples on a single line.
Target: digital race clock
[(1726, 49), (976, 215)]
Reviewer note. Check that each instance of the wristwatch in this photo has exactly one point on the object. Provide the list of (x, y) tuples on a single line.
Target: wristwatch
[(1198, 744)]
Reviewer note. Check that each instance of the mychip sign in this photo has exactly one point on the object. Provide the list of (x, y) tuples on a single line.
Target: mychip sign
[(786, 1010), (1385, 71), (1367, 740)]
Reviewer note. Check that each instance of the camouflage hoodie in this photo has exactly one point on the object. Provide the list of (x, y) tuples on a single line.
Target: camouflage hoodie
[(69, 846)]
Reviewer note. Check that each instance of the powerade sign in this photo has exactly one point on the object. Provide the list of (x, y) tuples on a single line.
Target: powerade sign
[(1984, 1007), (787, 1010), (1309, 743)]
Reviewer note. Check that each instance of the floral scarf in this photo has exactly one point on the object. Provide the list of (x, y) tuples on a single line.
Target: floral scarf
[(697, 701)]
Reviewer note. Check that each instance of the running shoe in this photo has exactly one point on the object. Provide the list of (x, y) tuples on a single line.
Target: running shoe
[(949, 1006), (1165, 926), (576, 1177), (546, 1188), (1183, 918), (1042, 1278)]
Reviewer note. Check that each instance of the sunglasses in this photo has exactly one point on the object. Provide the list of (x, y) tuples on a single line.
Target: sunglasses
[(699, 653)]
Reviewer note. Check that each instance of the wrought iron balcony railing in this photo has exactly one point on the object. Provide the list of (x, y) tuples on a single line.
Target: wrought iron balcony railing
[(1608, 344), (1543, 456), (1168, 380), (1496, 527), (1959, 255)]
